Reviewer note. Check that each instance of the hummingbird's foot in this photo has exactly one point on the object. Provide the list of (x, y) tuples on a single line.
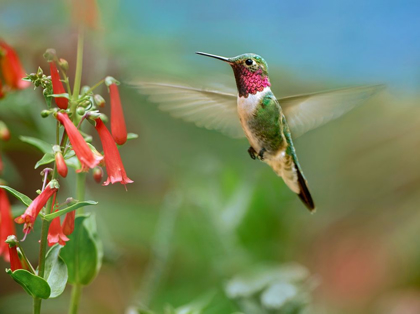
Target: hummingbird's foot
[(261, 154), (252, 153)]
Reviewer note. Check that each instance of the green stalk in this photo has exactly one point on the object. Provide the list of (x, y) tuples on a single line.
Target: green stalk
[(43, 247), (80, 177), (66, 80), (37, 306), (77, 288), (79, 65), (80, 186), (78, 75), (75, 298)]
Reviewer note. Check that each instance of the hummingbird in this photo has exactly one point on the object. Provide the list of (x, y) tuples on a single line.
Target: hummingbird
[(270, 124)]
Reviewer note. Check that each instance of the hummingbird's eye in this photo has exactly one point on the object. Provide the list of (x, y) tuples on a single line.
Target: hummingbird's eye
[(248, 62)]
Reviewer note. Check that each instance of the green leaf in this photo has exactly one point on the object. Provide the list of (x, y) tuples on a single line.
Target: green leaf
[(41, 145), (22, 197), (34, 285), (46, 159), (55, 271), (75, 206), (83, 253)]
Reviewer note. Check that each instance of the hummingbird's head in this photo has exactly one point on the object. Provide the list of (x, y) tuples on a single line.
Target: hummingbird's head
[(251, 72)]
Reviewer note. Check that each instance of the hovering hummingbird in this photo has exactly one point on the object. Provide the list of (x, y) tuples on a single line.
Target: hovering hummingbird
[(267, 122)]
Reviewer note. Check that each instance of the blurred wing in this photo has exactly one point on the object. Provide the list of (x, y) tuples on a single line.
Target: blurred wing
[(307, 112), (206, 108)]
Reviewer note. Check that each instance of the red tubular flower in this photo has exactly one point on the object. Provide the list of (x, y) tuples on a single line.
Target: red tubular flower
[(6, 224), (113, 163), (118, 128), (61, 164), (11, 68), (14, 259), (58, 87), (86, 157), (68, 223), (55, 233), (30, 214)]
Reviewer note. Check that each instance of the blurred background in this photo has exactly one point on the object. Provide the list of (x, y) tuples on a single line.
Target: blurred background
[(204, 226)]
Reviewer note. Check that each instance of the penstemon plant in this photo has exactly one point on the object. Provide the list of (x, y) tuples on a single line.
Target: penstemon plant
[(75, 251)]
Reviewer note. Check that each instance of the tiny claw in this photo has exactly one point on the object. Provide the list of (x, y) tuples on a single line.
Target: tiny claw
[(261, 153), (252, 153)]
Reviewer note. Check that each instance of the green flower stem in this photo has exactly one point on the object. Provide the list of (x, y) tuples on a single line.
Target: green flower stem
[(75, 298), (66, 80), (37, 306), (43, 247), (80, 186), (57, 132), (78, 75), (94, 86), (80, 195), (79, 65)]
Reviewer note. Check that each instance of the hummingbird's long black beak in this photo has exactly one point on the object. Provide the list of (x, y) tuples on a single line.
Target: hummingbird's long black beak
[(213, 56)]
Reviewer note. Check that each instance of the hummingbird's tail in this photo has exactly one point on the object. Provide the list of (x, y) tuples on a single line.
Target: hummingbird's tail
[(287, 167), (304, 193)]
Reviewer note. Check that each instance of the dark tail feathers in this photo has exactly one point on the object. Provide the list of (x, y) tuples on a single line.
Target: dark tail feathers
[(304, 193)]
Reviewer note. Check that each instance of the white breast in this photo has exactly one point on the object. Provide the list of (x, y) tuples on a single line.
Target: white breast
[(246, 108)]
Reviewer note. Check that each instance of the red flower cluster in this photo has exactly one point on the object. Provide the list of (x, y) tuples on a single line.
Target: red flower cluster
[(12, 71)]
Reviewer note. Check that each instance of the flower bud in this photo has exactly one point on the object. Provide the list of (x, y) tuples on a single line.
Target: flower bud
[(45, 113), (98, 173), (85, 103), (64, 65), (61, 164), (80, 111), (84, 89), (13, 254), (109, 80), (50, 54), (99, 100), (4, 132)]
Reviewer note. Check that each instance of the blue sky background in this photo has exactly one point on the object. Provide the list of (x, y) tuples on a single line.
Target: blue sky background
[(354, 41), (358, 41)]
